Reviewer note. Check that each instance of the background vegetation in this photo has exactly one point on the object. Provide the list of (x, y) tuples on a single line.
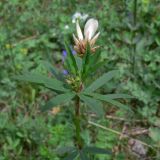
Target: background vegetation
[(34, 30)]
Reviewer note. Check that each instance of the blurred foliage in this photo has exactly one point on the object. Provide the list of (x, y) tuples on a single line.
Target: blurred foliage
[(31, 31)]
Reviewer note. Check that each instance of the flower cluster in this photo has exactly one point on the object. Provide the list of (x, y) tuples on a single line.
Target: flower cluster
[(89, 37), (82, 40)]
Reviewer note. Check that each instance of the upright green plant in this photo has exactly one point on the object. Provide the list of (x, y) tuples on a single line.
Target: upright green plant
[(76, 85)]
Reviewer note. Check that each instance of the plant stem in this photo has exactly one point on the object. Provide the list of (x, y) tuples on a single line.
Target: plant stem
[(134, 34), (79, 141)]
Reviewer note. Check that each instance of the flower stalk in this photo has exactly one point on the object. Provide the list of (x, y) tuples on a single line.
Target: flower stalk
[(77, 118), (82, 42), (84, 46), (79, 140)]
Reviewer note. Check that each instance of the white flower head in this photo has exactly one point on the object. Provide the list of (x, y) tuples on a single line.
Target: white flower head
[(90, 28), (89, 36), (76, 16)]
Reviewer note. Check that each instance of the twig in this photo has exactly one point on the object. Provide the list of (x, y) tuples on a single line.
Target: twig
[(123, 119), (115, 118), (138, 131), (119, 133), (25, 39)]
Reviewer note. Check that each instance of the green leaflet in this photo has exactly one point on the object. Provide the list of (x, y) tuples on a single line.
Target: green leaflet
[(70, 60), (64, 150), (51, 69), (109, 100), (118, 96), (71, 155), (42, 80), (58, 100), (85, 62), (101, 81), (95, 105), (83, 155), (90, 62), (95, 57), (97, 150), (97, 65), (79, 62)]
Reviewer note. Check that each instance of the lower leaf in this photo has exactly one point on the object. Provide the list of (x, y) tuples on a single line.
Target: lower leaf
[(95, 105), (71, 156), (60, 99), (109, 100), (96, 150)]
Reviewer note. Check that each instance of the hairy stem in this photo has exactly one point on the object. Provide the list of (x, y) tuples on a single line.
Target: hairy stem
[(79, 141)]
